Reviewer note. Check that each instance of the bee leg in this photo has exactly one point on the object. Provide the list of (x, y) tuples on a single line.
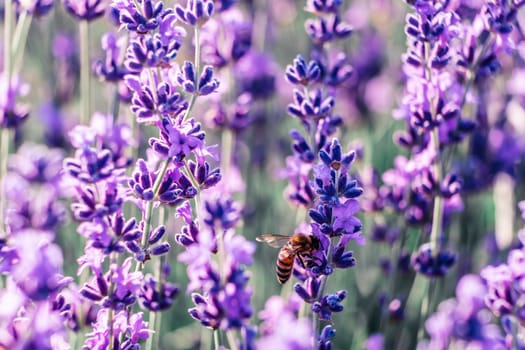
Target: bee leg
[(301, 261)]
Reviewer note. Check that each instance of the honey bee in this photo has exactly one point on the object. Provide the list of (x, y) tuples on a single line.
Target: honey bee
[(299, 245)]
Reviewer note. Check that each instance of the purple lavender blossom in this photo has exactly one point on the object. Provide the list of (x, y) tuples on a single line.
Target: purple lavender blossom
[(301, 72), (326, 29), (151, 103), (66, 67), (141, 16), (278, 318), (158, 295), (37, 164), (75, 309), (12, 114), (374, 342), (196, 12), (111, 69), (255, 73), (463, 321), (224, 300), (37, 8), (178, 138), (203, 86), (503, 282), (236, 34), (38, 272), (28, 326), (90, 165), (88, 10), (127, 331), (153, 50), (126, 286), (425, 262)]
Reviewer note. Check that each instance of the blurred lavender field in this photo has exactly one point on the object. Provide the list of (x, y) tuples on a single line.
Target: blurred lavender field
[(150, 149)]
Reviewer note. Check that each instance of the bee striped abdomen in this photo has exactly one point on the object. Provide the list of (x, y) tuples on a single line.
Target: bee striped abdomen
[(285, 261)]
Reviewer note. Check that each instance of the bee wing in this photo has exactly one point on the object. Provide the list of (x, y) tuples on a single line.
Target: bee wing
[(273, 240)]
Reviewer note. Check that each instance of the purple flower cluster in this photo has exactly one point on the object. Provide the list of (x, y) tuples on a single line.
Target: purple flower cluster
[(331, 196), (96, 179), (466, 320), (279, 317), (463, 321), (12, 113), (29, 258), (334, 223), (505, 293), (216, 259), (443, 63)]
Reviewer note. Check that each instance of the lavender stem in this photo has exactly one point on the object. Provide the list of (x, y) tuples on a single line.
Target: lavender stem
[(149, 206), (8, 34), (437, 218), (216, 339), (85, 90), (20, 38), (232, 340), (4, 153), (155, 317), (4, 136), (197, 62)]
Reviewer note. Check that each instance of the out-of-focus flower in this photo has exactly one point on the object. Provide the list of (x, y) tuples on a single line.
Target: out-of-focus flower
[(111, 68), (41, 326), (87, 10), (37, 164), (12, 114), (278, 319), (37, 8), (226, 39), (463, 321), (427, 264), (255, 73)]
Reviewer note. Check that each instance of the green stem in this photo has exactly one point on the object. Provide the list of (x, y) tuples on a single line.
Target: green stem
[(116, 103), (111, 329), (111, 312), (197, 60), (149, 207), (85, 88), (155, 317), (116, 96), (8, 37), (425, 308), (4, 154), (152, 321), (216, 339), (190, 106), (232, 339), (437, 216), (19, 40), (4, 134)]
